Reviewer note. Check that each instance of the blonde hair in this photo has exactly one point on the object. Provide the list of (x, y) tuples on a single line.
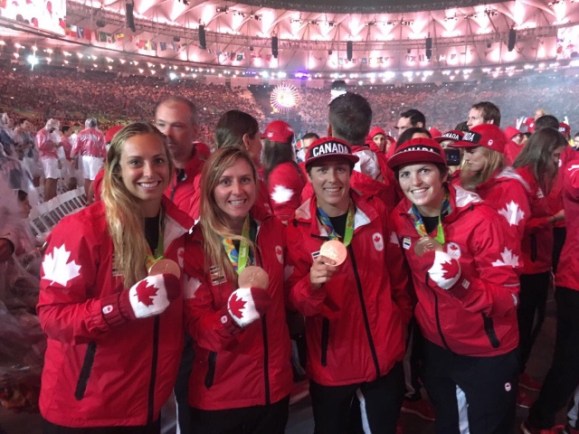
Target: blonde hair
[(213, 220), (494, 162), (125, 220)]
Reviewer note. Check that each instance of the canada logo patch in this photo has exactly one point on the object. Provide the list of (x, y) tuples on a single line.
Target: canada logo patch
[(378, 241)]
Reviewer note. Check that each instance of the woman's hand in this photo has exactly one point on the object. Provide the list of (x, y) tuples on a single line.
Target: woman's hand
[(321, 271)]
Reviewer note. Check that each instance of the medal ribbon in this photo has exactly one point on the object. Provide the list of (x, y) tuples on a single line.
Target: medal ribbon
[(327, 224), (421, 228), (239, 258), (158, 254)]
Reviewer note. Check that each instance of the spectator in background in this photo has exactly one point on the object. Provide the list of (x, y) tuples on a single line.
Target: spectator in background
[(47, 142), (283, 177), (91, 147), (176, 117), (514, 144), (537, 165), (483, 112), (410, 118), (304, 143)]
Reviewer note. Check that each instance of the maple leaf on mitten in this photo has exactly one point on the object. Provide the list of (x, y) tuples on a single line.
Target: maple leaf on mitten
[(445, 270), (145, 292), (236, 305), (246, 305)]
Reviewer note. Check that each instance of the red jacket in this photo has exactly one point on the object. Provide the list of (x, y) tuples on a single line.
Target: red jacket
[(90, 142), (233, 367), (506, 193), (284, 184), (567, 270), (512, 151), (96, 375), (183, 190), (478, 316), (355, 322), (537, 244), (46, 143)]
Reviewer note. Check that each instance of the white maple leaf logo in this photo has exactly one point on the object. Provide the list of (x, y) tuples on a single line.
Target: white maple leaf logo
[(507, 258), (281, 194), (57, 268), (192, 284), (512, 213)]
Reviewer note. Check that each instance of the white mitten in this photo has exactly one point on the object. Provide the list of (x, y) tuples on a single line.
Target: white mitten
[(246, 305), (445, 270)]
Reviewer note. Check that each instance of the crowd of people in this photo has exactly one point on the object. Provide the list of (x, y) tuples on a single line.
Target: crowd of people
[(400, 274)]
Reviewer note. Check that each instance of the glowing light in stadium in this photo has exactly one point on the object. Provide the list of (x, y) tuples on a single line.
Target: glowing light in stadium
[(284, 97)]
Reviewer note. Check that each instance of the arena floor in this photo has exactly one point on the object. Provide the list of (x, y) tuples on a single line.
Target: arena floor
[(301, 422)]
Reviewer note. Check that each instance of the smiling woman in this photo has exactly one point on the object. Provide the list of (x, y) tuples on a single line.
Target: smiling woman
[(104, 314)]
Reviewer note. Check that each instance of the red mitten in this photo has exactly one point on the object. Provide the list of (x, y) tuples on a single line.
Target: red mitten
[(246, 305), (445, 270), (148, 297)]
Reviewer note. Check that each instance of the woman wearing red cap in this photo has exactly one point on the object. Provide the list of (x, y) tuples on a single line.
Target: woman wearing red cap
[(466, 290), (283, 176), (484, 171), (347, 278)]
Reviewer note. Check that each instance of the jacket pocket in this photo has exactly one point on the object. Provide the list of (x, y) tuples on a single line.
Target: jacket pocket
[(490, 331), (85, 371), (325, 340), (211, 362)]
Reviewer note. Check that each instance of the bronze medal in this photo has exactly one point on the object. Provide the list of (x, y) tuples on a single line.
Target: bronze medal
[(165, 266), (253, 277), (425, 245), (334, 250)]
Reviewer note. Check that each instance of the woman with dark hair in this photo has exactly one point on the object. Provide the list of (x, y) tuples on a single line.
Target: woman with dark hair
[(109, 303), (234, 305), (240, 130), (537, 165), (283, 176), (466, 293)]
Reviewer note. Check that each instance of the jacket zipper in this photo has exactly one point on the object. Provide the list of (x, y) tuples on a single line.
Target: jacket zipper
[(85, 371), (364, 311), (154, 360), (437, 315), (325, 341), (211, 362), (490, 331)]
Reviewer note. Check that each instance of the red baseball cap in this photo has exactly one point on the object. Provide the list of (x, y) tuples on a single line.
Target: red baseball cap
[(329, 147), (565, 129), (454, 135), (488, 135), (419, 150), (278, 131)]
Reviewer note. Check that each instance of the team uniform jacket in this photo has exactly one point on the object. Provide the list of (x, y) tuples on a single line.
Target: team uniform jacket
[(355, 322), (184, 191), (90, 142), (512, 151), (284, 185), (234, 367), (567, 275), (96, 375), (537, 244), (46, 143), (506, 192), (477, 316)]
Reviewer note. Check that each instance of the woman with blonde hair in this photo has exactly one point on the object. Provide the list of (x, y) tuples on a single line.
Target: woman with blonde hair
[(234, 305), (110, 300)]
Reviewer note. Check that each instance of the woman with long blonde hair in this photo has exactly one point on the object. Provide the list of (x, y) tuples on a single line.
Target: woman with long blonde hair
[(234, 305), (110, 300)]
